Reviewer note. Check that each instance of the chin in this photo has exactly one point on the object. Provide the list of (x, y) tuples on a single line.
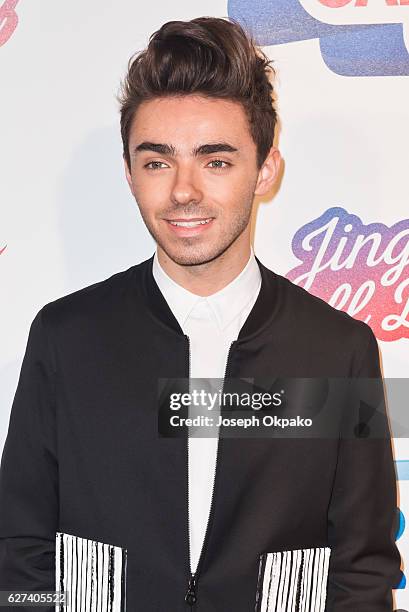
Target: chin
[(192, 256)]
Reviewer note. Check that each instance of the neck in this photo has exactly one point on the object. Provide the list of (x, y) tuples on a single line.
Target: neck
[(210, 277)]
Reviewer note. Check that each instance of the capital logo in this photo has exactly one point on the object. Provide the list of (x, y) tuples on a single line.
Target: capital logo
[(356, 37), (361, 269), (8, 20)]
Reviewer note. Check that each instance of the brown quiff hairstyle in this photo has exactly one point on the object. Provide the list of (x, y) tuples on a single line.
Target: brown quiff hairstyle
[(208, 56)]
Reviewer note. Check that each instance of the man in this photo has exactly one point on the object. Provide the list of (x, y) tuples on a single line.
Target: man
[(91, 497)]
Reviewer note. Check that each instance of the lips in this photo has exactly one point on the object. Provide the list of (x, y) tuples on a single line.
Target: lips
[(189, 222), (189, 219), (189, 227)]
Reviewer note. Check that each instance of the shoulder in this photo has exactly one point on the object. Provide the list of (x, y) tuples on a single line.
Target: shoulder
[(105, 298), (315, 325)]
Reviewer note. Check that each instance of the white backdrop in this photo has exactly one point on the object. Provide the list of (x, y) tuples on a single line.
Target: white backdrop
[(68, 218)]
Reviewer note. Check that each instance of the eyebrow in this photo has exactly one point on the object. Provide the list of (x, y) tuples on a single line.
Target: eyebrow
[(204, 149)]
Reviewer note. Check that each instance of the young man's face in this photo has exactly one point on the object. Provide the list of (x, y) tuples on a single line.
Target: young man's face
[(173, 184)]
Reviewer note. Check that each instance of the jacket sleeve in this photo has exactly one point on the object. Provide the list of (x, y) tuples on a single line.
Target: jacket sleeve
[(29, 475), (365, 562)]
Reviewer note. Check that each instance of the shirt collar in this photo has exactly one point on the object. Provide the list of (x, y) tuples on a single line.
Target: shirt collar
[(225, 303)]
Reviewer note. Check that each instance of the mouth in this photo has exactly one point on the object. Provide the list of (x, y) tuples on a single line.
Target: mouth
[(189, 222), (189, 227)]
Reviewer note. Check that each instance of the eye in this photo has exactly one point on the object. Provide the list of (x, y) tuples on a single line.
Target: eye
[(221, 162), (153, 162)]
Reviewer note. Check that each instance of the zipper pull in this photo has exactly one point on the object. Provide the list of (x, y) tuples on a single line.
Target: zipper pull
[(191, 597)]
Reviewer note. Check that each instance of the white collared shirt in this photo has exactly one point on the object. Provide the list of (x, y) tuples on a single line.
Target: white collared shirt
[(212, 324)]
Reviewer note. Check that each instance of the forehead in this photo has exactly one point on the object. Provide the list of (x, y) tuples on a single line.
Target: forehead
[(190, 116)]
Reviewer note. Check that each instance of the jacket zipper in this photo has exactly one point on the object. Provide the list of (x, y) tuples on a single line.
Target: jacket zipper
[(191, 593)]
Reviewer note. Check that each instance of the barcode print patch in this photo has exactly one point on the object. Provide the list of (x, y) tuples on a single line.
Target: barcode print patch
[(93, 573), (293, 580)]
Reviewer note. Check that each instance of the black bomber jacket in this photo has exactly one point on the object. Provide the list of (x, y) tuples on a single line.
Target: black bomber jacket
[(94, 501)]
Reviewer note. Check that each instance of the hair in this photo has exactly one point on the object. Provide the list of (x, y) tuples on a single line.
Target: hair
[(207, 56)]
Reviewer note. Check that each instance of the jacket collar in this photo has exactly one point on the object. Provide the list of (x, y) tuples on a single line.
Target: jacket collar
[(258, 320), (225, 304)]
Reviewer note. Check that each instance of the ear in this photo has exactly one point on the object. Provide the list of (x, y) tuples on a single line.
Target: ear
[(268, 172), (128, 174)]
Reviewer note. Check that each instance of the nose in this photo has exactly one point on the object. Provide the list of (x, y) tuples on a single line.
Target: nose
[(185, 188)]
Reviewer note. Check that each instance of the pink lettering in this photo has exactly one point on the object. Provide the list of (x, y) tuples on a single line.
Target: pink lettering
[(361, 269), (342, 3), (8, 20), (334, 3)]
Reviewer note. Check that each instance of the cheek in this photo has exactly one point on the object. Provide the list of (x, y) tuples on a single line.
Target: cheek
[(138, 182), (151, 201), (151, 183), (147, 192), (234, 194), (225, 189)]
